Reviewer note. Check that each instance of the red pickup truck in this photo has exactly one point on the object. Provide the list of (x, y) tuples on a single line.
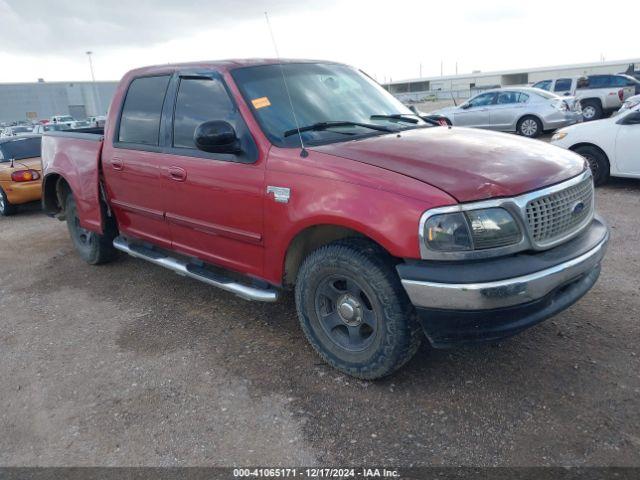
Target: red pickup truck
[(258, 176)]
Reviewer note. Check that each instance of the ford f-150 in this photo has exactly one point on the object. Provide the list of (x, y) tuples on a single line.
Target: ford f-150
[(258, 176)]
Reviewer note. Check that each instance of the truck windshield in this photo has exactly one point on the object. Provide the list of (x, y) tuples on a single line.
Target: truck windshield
[(340, 98), (20, 148)]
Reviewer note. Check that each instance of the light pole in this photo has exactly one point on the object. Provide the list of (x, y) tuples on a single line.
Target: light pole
[(96, 96)]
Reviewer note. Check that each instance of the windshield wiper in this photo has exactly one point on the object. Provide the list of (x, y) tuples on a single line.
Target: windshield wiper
[(403, 117), (326, 125), (396, 116)]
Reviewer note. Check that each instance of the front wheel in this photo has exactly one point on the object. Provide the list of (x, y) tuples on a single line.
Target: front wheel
[(354, 310), (530, 127), (92, 247), (6, 208), (598, 163)]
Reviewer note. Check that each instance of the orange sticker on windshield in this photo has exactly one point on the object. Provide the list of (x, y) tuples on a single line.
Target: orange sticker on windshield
[(261, 102)]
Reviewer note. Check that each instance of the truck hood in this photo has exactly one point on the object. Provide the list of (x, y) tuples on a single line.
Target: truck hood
[(468, 164)]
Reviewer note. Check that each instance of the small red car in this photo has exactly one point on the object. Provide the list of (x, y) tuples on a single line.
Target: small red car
[(257, 176)]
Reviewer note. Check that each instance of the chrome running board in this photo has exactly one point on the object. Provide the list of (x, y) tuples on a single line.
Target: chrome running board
[(191, 270)]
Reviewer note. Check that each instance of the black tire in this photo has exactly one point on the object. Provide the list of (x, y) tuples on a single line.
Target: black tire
[(591, 110), (598, 162), (6, 209), (92, 247), (529, 126), (383, 333)]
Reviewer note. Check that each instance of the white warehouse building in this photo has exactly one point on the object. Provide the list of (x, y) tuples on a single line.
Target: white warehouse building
[(464, 85)]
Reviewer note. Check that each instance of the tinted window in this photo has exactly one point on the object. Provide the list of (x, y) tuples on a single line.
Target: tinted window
[(523, 98), (20, 148), (508, 97), (600, 81), (544, 85), (562, 85), (140, 121), (482, 100), (199, 101), (620, 82)]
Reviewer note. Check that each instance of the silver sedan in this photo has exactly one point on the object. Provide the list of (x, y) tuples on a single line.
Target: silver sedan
[(528, 111)]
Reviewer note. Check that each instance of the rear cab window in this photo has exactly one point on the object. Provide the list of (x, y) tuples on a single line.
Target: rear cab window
[(142, 111)]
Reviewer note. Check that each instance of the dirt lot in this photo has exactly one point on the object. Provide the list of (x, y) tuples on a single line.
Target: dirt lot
[(129, 364)]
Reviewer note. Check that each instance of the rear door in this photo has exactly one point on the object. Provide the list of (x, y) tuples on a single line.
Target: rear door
[(476, 112), (215, 201), (507, 110), (131, 163)]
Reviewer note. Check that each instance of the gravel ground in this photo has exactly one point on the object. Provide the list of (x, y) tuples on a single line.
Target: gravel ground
[(129, 364)]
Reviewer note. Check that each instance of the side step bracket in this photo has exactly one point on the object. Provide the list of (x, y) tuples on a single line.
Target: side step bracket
[(182, 267)]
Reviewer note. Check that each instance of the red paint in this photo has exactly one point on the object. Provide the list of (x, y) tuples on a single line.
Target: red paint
[(220, 211)]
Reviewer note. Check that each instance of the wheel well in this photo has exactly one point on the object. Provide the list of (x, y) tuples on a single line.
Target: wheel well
[(592, 99), (529, 115), (311, 239), (54, 191), (573, 148)]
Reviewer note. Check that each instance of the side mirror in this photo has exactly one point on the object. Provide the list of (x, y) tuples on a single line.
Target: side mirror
[(630, 119), (216, 137), (566, 94), (465, 105)]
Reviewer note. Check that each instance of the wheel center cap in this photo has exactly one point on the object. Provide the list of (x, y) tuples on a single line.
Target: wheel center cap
[(349, 310)]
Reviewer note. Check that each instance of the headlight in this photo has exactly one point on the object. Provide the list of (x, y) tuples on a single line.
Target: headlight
[(558, 136), (472, 230)]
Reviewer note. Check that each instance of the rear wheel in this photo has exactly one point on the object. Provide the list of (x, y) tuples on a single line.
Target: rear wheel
[(591, 110), (92, 247), (530, 127), (354, 310), (6, 208), (598, 163)]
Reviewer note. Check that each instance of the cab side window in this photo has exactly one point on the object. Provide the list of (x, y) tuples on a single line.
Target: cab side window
[(198, 101), (142, 109)]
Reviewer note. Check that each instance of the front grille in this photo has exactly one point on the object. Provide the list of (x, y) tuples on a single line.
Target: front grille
[(558, 214)]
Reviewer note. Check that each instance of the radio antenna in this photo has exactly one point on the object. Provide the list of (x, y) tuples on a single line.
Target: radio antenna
[(303, 151)]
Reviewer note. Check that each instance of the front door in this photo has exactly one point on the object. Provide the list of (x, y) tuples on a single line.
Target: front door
[(628, 147), (475, 113), (215, 201), (131, 164)]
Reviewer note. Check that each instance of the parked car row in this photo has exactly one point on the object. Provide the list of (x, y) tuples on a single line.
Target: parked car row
[(55, 124)]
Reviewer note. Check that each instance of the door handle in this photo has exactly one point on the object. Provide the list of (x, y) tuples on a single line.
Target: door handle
[(117, 164), (177, 174)]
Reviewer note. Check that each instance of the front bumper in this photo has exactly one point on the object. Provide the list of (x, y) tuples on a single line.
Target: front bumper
[(489, 299)]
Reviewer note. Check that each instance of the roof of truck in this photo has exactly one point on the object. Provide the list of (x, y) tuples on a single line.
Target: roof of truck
[(229, 64)]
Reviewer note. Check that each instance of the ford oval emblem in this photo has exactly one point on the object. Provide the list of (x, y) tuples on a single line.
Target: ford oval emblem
[(578, 208)]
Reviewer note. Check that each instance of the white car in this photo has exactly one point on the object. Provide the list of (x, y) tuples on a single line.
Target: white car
[(610, 146)]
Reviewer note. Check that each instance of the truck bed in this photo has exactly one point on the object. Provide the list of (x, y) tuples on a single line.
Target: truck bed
[(73, 157)]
